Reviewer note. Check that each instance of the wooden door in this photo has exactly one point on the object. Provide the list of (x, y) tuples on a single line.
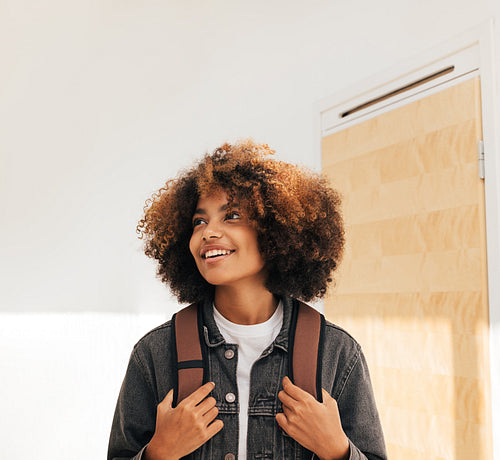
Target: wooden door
[(412, 288)]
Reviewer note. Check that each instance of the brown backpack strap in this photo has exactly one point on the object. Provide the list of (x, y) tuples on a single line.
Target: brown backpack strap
[(190, 369), (306, 343)]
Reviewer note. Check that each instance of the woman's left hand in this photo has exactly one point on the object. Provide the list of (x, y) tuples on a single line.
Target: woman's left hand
[(314, 425)]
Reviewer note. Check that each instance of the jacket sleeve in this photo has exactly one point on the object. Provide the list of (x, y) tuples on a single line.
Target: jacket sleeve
[(358, 412), (135, 414)]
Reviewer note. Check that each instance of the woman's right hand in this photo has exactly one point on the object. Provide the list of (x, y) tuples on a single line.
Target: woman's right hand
[(182, 429)]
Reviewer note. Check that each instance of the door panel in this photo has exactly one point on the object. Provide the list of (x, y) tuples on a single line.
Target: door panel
[(412, 287)]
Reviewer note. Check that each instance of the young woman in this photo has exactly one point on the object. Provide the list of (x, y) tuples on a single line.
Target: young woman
[(244, 236)]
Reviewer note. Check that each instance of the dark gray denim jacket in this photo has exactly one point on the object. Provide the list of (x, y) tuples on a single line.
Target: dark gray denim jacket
[(150, 376)]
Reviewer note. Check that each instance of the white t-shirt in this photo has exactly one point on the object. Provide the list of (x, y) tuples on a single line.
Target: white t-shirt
[(252, 340)]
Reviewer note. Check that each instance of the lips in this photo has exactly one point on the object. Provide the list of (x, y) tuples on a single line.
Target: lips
[(214, 252)]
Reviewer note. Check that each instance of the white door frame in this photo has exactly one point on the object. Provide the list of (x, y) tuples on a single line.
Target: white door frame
[(471, 54)]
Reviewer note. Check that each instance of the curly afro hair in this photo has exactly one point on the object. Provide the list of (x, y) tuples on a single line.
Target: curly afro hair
[(295, 212)]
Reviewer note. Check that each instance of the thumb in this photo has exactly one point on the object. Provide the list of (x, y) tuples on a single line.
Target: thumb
[(327, 398), (169, 399), (330, 402)]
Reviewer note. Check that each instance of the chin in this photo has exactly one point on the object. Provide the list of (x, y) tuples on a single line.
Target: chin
[(216, 281)]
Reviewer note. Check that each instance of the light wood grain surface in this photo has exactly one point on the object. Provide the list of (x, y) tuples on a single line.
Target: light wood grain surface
[(412, 286)]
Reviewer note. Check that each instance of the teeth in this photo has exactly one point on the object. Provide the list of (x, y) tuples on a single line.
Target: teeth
[(216, 252)]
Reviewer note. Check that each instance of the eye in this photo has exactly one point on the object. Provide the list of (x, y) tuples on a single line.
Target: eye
[(198, 221), (233, 215)]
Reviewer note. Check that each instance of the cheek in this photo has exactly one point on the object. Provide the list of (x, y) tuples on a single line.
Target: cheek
[(255, 251), (192, 246), (261, 261)]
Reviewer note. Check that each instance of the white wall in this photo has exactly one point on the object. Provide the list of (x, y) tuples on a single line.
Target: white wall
[(101, 102)]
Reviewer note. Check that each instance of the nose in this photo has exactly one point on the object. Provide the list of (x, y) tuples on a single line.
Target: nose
[(211, 231)]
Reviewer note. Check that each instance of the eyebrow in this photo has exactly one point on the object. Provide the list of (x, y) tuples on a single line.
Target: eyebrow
[(221, 209)]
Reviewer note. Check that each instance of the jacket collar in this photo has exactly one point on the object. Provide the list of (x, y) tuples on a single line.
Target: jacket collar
[(213, 337)]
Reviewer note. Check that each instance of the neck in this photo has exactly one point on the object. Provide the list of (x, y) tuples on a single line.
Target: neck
[(248, 306)]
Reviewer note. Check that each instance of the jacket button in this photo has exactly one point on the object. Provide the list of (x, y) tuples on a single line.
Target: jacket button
[(230, 398), (229, 354), (229, 457)]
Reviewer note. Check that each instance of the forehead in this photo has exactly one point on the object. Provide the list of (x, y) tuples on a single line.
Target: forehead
[(216, 199)]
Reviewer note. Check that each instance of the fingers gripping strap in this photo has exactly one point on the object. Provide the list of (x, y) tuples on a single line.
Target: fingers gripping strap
[(189, 355), (306, 346)]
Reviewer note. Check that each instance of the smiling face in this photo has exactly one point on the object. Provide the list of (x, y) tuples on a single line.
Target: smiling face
[(224, 244)]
